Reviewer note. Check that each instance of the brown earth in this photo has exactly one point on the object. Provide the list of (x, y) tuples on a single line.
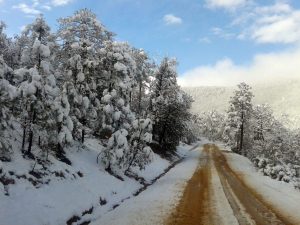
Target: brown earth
[(196, 204)]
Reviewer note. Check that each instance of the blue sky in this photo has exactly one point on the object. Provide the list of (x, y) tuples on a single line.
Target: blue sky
[(213, 40)]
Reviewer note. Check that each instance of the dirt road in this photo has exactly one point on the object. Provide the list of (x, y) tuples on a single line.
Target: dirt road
[(216, 195)]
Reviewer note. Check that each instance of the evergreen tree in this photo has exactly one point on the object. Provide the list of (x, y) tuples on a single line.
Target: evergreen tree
[(64, 124), (117, 116), (239, 114), (7, 93), (82, 35), (169, 107)]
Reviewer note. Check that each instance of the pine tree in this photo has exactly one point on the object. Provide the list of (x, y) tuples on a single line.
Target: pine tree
[(39, 88), (117, 116), (7, 93), (119, 69), (239, 114), (169, 106), (140, 141), (139, 99), (63, 121), (82, 35), (163, 88)]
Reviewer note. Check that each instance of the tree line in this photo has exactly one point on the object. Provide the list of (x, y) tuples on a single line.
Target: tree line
[(57, 88), (253, 131)]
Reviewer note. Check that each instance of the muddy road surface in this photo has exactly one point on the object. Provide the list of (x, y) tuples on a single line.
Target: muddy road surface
[(216, 195)]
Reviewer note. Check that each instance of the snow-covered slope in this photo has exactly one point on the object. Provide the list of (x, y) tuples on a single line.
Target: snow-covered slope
[(156, 203), (283, 97), (61, 193)]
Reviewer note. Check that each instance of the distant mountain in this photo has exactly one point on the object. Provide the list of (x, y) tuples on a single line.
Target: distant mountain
[(283, 97)]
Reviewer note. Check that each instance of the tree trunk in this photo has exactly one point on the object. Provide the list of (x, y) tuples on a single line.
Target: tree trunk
[(30, 142), (59, 148), (140, 99), (23, 140), (242, 135), (161, 137), (82, 135), (31, 134)]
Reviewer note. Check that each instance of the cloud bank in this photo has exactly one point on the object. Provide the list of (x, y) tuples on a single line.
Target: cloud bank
[(263, 68)]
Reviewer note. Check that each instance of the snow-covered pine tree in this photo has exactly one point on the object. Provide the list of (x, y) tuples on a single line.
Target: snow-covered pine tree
[(82, 35), (117, 116), (141, 136), (4, 43), (238, 118), (39, 88), (169, 106), (139, 97), (264, 128), (212, 125), (140, 140), (7, 93), (63, 122), (164, 84), (119, 69)]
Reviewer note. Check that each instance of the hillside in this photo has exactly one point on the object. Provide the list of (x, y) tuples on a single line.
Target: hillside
[(283, 97)]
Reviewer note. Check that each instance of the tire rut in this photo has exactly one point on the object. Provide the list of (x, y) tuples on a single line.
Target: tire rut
[(196, 204), (259, 211)]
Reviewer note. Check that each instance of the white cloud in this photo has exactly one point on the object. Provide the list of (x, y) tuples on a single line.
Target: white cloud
[(38, 6), (225, 4), (263, 68), (47, 7), (27, 9), (277, 23), (60, 2), (204, 40), (170, 19), (222, 33)]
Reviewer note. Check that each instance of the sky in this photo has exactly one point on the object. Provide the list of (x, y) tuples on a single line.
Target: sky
[(216, 42)]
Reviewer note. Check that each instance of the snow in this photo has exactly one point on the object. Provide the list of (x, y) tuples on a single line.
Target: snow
[(117, 115), (86, 102), (221, 204), (55, 203), (154, 205), (80, 77), (120, 67), (282, 196), (62, 198), (118, 56), (223, 146), (106, 98)]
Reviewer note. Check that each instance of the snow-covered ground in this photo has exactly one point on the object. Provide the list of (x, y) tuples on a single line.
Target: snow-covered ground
[(282, 196), (155, 204), (85, 185)]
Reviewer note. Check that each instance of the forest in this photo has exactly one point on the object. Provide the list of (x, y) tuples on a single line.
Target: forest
[(142, 112), (253, 131), (59, 88)]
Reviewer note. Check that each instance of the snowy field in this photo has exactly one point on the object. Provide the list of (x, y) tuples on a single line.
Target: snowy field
[(86, 190)]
